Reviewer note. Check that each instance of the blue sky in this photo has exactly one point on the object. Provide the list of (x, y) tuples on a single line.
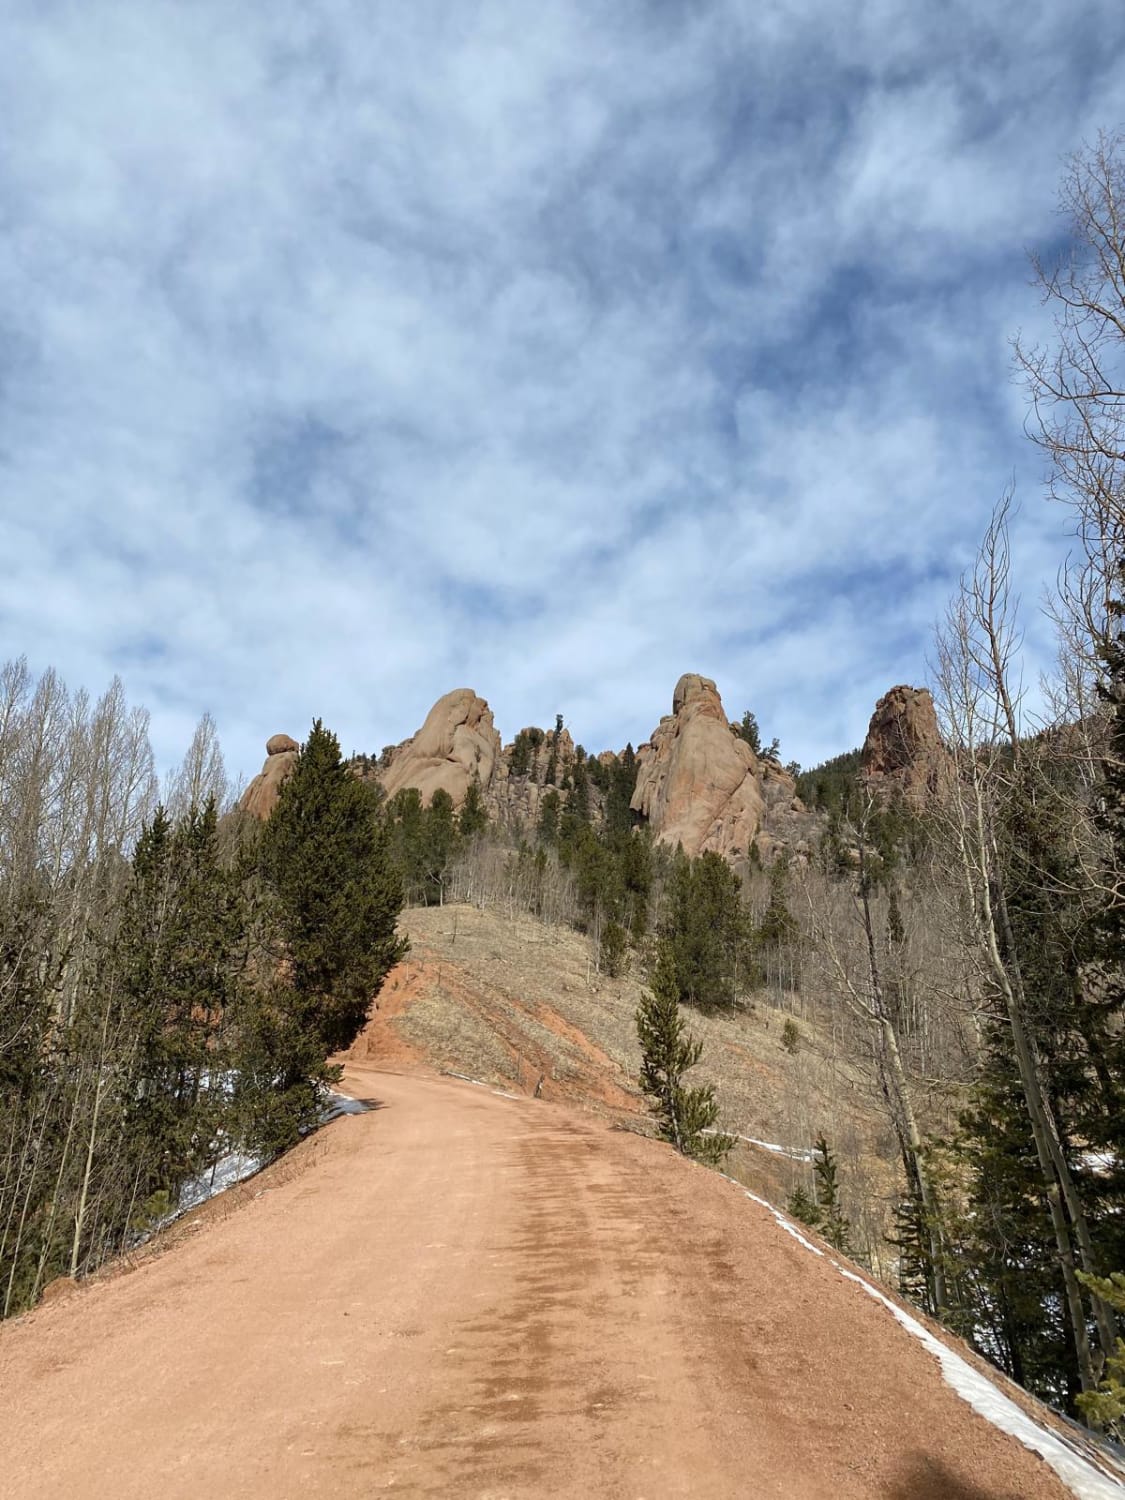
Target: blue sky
[(353, 352)]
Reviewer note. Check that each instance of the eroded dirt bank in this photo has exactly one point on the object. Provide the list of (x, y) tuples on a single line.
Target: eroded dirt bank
[(467, 1295)]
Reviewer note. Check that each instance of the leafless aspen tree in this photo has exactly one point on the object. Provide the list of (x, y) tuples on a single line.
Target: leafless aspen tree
[(852, 957), (201, 775), (980, 712)]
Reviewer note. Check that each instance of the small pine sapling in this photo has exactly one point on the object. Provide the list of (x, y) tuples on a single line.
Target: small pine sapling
[(834, 1224), (686, 1117)]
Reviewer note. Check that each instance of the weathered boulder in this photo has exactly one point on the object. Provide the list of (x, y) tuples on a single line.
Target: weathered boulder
[(260, 797), (457, 741), (903, 750), (698, 784)]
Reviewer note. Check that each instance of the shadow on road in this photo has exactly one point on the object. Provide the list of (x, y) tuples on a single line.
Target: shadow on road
[(926, 1478)]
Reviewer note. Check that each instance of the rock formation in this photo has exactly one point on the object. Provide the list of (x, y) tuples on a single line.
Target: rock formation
[(521, 781), (699, 784), (260, 797), (903, 749), (457, 741)]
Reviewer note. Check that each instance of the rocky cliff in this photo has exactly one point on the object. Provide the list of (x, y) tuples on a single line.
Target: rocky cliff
[(700, 785), (903, 750), (457, 742)]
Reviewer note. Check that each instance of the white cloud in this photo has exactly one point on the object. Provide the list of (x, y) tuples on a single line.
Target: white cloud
[(347, 356)]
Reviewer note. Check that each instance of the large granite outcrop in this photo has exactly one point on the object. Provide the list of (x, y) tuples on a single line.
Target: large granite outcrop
[(903, 750), (457, 742), (260, 797), (699, 784)]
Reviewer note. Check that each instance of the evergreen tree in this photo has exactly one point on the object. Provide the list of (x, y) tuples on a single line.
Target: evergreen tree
[(551, 776), (803, 1207), (578, 805), (405, 822), (620, 784), (473, 817), (548, 828), (439, 841), (1000, 1245), (520, 761), (832, 786), (179, 954), (1069, 971), (327, 861), (686, 1117), (835, 1225), (705, 931), (748, 730), (911, 1240), (634, 854), (614, 948), (1105, 1407)]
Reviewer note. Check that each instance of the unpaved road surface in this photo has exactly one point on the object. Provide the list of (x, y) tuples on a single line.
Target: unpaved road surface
[(463, 1295)]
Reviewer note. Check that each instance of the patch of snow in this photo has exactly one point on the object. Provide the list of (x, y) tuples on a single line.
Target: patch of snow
[(477, 1083), (1100, 1163), (236, 1166), (229, 1169), (341, 1104), (794, 1153), (983, 1395), (786, 1224)]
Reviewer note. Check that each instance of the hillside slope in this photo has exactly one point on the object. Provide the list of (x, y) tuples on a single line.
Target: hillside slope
[(516, 1002), (474, 1295)]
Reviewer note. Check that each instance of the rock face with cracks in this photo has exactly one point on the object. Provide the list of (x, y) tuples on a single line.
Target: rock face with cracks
[(903, 750), (260, 797), (700, 785), (457, 742)]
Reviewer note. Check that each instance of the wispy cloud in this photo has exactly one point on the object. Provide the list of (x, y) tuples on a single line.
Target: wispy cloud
[(349, 353)]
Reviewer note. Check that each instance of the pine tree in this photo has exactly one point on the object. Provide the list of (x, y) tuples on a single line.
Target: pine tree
[(1068, 969), (180, 950), (551, 776), (473, 817), (614, 948), (439, 840), (834, 1224), (520, 761), (548, 829), (804, 1208), (620, 785), (705, 931), (1105, 1407), (686, 1117), (748, 730), (336, 899)]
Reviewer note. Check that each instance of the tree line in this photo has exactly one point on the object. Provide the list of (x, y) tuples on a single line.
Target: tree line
[(174, 977)]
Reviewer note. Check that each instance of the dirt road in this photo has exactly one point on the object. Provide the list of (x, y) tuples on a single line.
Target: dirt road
[(463, 1295)]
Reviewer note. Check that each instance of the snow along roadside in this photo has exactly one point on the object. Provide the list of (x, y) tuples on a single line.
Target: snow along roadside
[(236, 1166), (985, 1398)]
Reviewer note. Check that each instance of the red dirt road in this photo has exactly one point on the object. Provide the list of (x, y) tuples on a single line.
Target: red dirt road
[(463, 1295)]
